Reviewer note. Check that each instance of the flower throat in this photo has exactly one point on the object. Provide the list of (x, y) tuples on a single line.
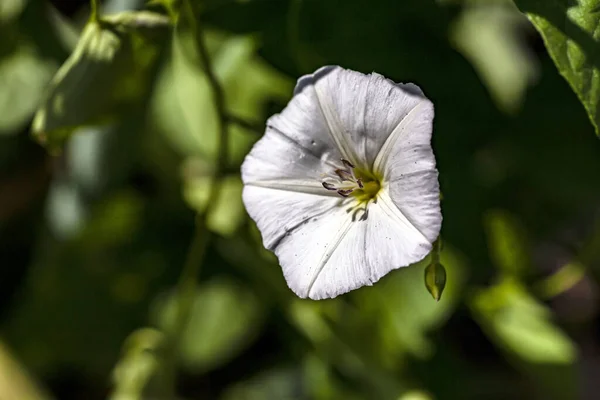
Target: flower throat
[(352, 181)]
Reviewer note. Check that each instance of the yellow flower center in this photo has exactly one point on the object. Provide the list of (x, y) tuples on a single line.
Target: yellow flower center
[(361, 184)]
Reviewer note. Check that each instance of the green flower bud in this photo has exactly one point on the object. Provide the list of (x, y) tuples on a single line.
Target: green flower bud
[(435, 279)]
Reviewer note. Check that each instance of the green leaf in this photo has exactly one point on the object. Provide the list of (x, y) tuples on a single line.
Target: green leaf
[(507, 243), (571, 31), (225, 319), (404, 310), (488, 36), (521, 326), (140, 373), (278, 383), (16, 383), (23, 77), (107, 73), (227, 215), (9, 9), (184, 109)]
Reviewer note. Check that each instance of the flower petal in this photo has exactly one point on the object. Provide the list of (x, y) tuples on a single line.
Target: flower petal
[(392, 240), (297, 143), (408, 148), (279, 156), (407, 163), (325, 257), (417, 197), (278, 212), (362, 110), (340, 251)]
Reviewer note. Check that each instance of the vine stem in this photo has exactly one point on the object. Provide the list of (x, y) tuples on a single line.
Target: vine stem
[(186, 287), (437, 249), (94, 15)]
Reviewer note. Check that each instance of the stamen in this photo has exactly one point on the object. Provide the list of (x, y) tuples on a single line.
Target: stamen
[(328, 186), (344, 181), (344, 175), (347, 163)]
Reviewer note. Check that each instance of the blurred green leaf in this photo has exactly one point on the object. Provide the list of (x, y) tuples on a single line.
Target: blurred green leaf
[(138, 373), (415, 395), (9, 9), (225, 318), (561, 281), (521, 325), (227, 216), (96, 285), (488, 35), (23, 78), (404, 309), (15, 382), (570, 31), (508, 243), (105, 75), (277, 384), (183, 105)]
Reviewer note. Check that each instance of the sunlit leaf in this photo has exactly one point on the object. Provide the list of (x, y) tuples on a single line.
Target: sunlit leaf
[(228, 212), (224, 320), (570, 31), (15, 382), (184, 107), (23, 77), (521, 325), (105, 75), (9, 9), (488, 36), (138, 373), (402, 306)]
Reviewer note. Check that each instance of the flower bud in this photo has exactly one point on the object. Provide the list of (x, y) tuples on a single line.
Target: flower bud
[(435, 279)]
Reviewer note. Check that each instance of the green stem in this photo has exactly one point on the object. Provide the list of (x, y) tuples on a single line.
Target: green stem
[(95, 15), (255, 127), (437, 249), (186, 288)]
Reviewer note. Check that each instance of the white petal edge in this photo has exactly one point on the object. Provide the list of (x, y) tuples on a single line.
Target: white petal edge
[(408, 165), (417, 197), (361, 110), (278, 213), (336, 253)]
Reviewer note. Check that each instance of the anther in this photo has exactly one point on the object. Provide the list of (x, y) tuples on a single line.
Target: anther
[(328, 186), (347, 163), (344, 175), (344, 193), (360, 184)]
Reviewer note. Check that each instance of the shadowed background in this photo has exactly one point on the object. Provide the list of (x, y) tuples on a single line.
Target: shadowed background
[(93, 239)]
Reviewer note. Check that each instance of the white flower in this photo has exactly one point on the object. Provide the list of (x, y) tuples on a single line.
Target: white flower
[(343, 185)]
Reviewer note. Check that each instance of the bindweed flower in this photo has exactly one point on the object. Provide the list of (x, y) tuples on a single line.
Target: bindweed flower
[(343, 185)]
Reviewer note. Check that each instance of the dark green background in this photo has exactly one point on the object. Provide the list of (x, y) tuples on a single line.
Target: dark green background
[(92, 241)]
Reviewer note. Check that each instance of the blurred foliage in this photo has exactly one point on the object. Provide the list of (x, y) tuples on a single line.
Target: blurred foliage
[(94, 238), (101, 63), (570, 31)]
